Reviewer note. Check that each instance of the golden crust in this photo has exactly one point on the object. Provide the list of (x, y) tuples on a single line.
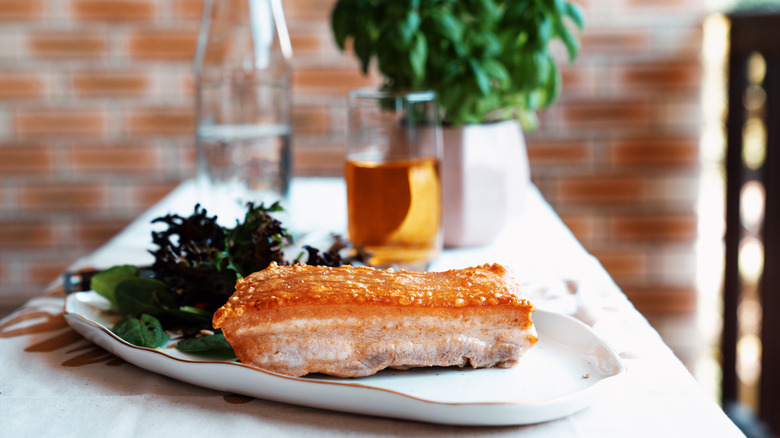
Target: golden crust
[(355, 321), (303, 285)]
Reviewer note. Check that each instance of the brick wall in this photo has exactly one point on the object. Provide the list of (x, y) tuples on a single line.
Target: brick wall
[(618, 155), (96, 123)]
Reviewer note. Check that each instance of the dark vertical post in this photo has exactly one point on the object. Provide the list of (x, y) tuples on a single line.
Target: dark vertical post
[(737, 82), (770, 285), (754, 31)]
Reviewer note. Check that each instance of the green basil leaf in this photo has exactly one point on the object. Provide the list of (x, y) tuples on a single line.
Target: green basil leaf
[(544, 31), (409, 26), (188, 316), (105, 282), (340, 24), (571, 43), (496, 70), (215, 343), (576, 14), (145, 331), (136, 296), (552, 87), (486, 10), (524, 75), (363, 49), (418, 56), (448, 27), (481, 78)]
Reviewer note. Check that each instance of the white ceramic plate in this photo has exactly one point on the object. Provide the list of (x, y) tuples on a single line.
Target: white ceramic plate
[(567, 370)]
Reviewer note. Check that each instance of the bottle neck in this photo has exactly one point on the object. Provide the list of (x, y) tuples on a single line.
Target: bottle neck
[(243, 35)]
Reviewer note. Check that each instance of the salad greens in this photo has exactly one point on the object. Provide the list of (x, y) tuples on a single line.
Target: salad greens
[(212, 344), (145, 331), (200, 261), (196, 265), (105, 282)]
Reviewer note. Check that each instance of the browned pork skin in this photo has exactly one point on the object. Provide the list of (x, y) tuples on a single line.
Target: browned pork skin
[(354, 321)]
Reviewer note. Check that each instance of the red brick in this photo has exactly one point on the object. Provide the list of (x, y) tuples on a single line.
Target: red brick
[(21, 85), (163, 45), (318, 161), (68, 45), (61, 197), (602, 41), (146, 195), (654, 227), (315, 10), (113, 10), (601, 114), (110, 84), (21, 10), (162, 121), (114, 159), (189, 156), (663, 152), (311, 120), (556, 153), (49, 122), (622, 264), (575, 78), (185, 85), (92, 233), (331, 80), (665, 6), (26, 235), (188, 9), (25, 160), (308, 40), (663, 76), (583, 226), (601, 189), (42, 272), (660, 299)]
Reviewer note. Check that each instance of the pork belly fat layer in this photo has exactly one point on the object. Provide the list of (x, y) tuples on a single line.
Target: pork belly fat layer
[(354, 342)]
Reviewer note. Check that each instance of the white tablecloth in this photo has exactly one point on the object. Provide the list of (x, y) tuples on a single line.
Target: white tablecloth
[(54, 381)]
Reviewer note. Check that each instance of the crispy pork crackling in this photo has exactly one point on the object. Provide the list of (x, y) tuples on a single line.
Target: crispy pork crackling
[(354, 321)]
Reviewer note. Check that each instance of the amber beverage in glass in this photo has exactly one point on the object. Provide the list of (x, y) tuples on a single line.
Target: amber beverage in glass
[(392, 177)]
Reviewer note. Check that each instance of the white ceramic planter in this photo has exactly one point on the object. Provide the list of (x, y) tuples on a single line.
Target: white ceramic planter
[(485, 173)]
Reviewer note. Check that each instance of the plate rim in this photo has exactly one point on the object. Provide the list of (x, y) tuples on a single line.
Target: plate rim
[(75, 317)]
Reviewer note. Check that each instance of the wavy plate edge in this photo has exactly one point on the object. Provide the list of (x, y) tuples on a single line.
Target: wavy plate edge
[(351, 396)]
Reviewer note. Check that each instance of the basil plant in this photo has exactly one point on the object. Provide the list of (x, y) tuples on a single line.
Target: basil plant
[(488, 60)]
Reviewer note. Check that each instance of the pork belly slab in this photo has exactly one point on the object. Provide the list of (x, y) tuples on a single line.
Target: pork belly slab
[(354, 321)]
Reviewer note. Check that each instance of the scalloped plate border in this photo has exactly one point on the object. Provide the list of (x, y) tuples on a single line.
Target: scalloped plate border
[(568, 370)]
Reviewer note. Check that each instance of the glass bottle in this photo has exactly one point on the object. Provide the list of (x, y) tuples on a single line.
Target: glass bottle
[(242, 73)]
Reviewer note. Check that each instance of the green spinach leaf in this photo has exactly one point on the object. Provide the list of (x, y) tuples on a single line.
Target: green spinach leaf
[(136, 296), (105, 282), (145, 331), (211, 344)]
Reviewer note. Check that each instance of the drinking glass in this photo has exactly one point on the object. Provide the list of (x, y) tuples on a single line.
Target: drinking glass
[(392, 177)]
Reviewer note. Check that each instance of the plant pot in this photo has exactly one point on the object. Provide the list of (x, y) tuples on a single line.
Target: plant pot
[(485, 174)]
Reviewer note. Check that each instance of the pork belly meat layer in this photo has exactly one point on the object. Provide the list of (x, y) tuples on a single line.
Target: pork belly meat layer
[(355, 321)]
